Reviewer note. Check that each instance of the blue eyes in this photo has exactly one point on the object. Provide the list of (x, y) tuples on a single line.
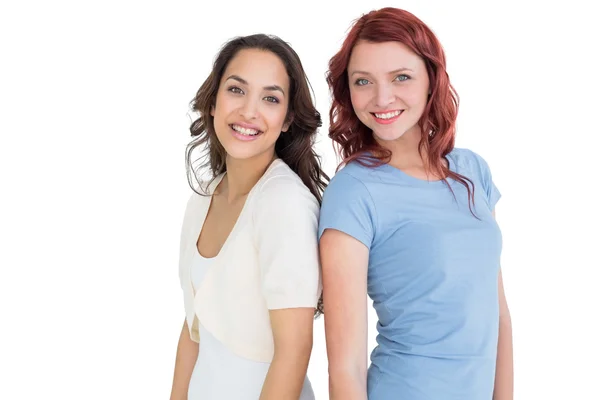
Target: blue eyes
[(399, 78), (237, 90)]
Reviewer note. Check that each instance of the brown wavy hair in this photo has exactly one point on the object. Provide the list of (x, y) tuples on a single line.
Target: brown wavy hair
[(295, 148), (354, 140)]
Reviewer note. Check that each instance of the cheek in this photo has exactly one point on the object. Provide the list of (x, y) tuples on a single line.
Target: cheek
[(359, 99), (221, 109), (419, 93), (416, 98), (275, 116)]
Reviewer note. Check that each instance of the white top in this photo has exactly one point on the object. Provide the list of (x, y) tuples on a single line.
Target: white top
[(220, 374), (270, 260)]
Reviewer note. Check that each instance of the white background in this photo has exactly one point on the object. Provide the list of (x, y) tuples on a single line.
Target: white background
[(94, 120)]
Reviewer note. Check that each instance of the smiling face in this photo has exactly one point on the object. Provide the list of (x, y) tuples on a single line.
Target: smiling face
[(251, 104), (389, 88)]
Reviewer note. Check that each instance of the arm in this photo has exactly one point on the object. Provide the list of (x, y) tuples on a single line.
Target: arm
[(344, 261), (293, 339), (187, 353), (286, 236), (503, 386)]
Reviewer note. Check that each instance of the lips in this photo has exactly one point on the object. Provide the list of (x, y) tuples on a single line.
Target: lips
[(387, 114), (387, 117), (245, 130)]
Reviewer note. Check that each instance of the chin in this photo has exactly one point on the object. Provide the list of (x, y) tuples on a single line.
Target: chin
[(241, 154), (246, 151), (389, 134)]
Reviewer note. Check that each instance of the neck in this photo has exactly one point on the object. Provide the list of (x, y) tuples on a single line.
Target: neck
[(242, 175), (405, 150)]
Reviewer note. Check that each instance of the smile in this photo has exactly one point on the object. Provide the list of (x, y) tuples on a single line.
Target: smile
[(387, 117), (244, 131)]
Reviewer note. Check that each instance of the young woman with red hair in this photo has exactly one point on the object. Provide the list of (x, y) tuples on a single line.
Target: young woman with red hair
[(409, 220)]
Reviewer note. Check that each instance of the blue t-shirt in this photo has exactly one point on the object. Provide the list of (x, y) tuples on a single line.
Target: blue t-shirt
[(432, 275)]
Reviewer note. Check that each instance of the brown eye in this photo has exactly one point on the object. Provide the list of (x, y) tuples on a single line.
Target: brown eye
[(272, 99), (235, 89)]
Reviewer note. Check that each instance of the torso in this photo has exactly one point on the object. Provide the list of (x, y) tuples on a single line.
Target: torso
[(219, 223), (432, 275), (220, 371)]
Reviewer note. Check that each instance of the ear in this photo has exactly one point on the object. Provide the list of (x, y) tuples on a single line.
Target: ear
[(212, 111), (288, 122)]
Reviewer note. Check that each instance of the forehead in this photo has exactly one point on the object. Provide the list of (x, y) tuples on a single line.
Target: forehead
[(383, 57), (258, 68)]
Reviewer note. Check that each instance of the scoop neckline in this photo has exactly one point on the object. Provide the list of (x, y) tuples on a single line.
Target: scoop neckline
[(423, 182), (235, 227)]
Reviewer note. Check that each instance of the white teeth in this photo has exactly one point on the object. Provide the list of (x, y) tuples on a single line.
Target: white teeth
[(388, 115), (244, 131)]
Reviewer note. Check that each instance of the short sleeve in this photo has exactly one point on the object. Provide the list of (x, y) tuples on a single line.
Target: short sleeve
[(348, 207), (286, 218), (492, 193), (184, 268), (184, 237)]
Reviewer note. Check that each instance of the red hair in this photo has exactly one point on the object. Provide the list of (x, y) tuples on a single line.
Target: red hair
[(438, 122)]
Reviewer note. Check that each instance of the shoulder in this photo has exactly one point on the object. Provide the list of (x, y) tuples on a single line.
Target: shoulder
[(203, 187), (348, 206), (472, 165), (202, 191), (351, 180), (282, 187), (465, 156), (470, 161), (350, 191)]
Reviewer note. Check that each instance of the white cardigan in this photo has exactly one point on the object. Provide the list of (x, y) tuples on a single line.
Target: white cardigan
[(269, 261)]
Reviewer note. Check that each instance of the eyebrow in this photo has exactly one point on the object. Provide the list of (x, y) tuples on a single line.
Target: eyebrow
[(244, 82), (389, 73)]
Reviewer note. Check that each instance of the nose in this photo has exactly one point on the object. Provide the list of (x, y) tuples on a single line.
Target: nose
[(384, 96), (249, 109)]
